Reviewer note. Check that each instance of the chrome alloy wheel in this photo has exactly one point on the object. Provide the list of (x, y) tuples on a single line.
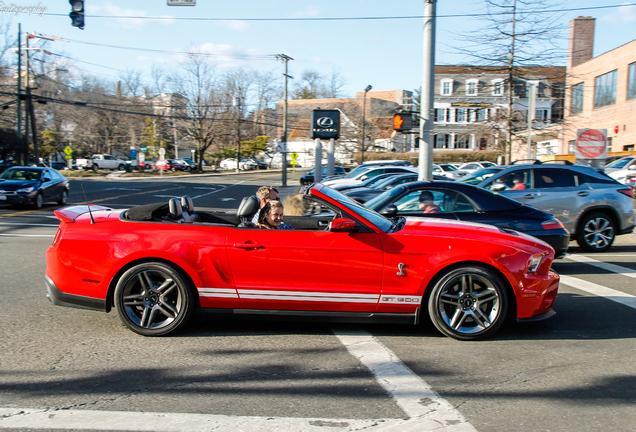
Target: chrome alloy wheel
[(153, 299), (597, 233), (468, 303)]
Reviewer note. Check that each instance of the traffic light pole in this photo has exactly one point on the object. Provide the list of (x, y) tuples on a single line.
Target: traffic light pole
[(285, 59), (425, 165)]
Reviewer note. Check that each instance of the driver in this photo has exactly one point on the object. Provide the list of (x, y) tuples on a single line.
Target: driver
[(426, 203)]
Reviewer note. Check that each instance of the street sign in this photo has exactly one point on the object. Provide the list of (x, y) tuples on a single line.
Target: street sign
[(294, 156), (68, 151), (293, 163), (133, 154), (144, 149), (325, 124), (591, 144)]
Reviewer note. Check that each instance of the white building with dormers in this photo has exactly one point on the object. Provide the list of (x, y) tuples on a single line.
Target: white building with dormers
[(472, 102)]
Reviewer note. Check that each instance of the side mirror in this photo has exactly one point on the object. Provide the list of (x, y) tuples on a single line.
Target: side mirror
[(632, 167), (45, 179), (342, 225), (364, 177), (389, 210), (498, 187)]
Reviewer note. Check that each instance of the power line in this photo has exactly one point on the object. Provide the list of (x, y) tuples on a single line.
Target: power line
[(173, 18)]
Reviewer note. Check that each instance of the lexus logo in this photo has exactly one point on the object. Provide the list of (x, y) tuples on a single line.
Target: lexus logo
[(324, 122)]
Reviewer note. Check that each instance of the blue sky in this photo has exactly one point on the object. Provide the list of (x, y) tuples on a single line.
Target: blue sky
[(385, 53)]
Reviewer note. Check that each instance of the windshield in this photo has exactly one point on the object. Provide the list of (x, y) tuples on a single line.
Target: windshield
[(375, 218), (479, 175), (621, 163), (21, 174), (448, 167), (358, 170), (382, 200)]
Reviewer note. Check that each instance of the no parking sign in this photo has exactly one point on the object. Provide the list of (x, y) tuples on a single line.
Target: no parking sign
[(591, 144)]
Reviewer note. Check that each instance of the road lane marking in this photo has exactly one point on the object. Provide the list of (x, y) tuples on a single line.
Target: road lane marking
[(426, 411), (600, 290), (410, 392), (30, 224), (27, 235), (625, 271)]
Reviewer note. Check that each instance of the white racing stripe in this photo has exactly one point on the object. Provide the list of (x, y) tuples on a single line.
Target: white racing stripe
[(600, 290)]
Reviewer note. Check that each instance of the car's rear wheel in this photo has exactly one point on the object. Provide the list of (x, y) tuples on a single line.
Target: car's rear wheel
[(596, 233), (95, 167), (154, 299), (121, 167), (63, 198), (468, 303)]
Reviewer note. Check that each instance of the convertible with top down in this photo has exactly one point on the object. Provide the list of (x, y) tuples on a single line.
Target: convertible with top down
[(158, 264)]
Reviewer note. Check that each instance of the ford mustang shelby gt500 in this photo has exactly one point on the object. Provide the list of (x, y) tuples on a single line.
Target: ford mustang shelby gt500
[(157, 264)]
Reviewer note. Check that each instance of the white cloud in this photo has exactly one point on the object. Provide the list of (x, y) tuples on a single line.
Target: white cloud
[(113, 10), (622, 15)]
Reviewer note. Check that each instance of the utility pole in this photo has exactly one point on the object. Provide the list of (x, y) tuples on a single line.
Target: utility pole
[(425, 165), (364, 121), (285, 59), (237, 103), (18, 125)]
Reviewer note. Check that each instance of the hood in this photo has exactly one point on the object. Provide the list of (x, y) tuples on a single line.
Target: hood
[(11, 185)]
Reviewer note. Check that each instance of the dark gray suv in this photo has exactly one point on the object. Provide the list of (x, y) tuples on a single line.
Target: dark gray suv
[(592, 206)]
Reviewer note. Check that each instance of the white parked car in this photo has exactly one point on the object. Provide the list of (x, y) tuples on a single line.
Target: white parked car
[(362, 173), (470, 167), (448, 170), (622, 170), (230, 164)]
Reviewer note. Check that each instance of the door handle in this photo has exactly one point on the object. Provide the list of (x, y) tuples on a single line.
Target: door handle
[(583, 193), (248, 246), (532, 195), (323, 223)]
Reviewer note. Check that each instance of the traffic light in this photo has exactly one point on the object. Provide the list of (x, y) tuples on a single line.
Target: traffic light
[(402, 122), (77, 13)]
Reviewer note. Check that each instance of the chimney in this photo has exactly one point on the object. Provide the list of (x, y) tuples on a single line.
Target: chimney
[(581, 40)]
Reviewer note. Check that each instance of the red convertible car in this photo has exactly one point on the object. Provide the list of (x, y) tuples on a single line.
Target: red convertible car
[(157, 264)]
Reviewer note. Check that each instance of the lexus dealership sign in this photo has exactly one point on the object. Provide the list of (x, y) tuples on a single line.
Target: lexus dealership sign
[(591, 144), (325, 124)]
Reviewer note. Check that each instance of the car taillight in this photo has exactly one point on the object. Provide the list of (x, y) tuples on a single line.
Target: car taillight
[(627, 191), (552, 224)]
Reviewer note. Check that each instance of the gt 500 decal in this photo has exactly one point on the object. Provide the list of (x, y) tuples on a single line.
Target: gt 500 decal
[(401, 299)]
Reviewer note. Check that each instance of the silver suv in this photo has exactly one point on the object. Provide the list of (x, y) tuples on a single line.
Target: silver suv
[(593, 207)]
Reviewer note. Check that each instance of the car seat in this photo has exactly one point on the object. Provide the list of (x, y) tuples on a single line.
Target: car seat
[(246, 211), (187, 207), (175, 211)]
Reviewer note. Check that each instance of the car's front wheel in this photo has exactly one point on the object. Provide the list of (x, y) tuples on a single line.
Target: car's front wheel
[(38, 201), (596, 233), (468, 303), (154, 299)]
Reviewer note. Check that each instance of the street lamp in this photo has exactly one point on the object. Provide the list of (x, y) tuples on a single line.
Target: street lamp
[(364, 109)]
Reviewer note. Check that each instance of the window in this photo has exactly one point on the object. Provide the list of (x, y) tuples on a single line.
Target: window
[(460, 115), (541, 115), (571, 145), (463, 142), (553, 178), (471, 87), (441, 115), (631, 82), (497, 87), (447, 87), (515, 180), (481, 114), (605, 89), (441, 141), (577, 98)]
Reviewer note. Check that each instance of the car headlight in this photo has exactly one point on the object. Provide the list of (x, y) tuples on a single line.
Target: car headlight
[(26, 190), (534, 263)]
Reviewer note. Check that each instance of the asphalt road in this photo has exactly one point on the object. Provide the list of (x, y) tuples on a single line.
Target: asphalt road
[(72, 369)]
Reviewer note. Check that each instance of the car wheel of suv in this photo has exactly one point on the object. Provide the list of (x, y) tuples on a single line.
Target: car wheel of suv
[(468, 303), (154, 299), (597, 233)]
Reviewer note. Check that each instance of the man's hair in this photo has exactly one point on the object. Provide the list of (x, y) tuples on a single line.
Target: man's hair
[(426, 195), (264, 191)]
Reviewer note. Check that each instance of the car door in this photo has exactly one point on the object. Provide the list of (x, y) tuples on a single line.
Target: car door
[(49, 186), (306, 270)]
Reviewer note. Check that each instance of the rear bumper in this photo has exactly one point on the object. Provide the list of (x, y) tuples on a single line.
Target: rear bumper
[(58, 298)]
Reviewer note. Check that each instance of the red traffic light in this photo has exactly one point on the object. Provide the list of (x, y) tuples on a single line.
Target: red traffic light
[(402, 122)]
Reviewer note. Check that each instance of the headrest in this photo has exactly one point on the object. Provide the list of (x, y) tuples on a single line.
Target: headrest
[(187, 204), (249, 206), (176, 211)]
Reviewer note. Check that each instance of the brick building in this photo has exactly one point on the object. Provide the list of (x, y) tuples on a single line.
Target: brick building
[(601, 91)]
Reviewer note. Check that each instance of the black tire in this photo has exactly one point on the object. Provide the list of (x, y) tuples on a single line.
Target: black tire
[(154, 299), (95, 167), (63, 198), (596, 232), (38, 201), (121, 167), (188, 169), (173, 169), (468, 303)]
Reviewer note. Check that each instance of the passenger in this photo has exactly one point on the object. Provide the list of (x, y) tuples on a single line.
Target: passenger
[(271, 217), (426, 203), (518, 183), (265, 194)]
